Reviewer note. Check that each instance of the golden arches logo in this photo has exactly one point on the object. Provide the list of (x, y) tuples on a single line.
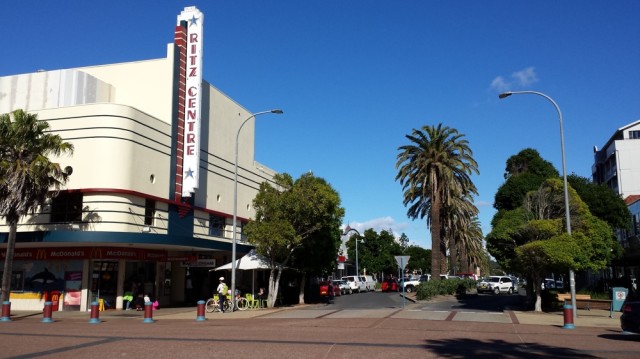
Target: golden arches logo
[(96, 253), (41, 254)]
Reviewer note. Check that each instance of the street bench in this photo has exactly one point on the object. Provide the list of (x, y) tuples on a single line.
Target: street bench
[(584, 301)]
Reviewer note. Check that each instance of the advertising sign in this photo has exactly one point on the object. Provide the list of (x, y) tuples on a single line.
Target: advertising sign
[(192, 100)]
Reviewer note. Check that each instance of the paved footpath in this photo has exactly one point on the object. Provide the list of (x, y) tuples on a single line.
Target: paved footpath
[(315, 332)]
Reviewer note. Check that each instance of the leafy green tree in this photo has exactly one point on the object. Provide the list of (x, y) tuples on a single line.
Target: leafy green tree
[(603, 202), (27, 176), (434, 168), (376, 251), (404, 242), (531, 239), (525, 172), (289, 215), (419, 259)]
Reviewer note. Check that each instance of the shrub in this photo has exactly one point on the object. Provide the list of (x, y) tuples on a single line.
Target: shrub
[(430, 289)]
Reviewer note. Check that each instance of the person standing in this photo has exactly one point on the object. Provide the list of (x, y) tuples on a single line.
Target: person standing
[(222, 293)]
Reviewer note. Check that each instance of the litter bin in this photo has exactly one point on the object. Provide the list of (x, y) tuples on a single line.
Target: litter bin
[(619, 295)]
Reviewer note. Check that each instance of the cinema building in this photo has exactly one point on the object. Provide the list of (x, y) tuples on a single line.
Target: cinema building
[(149, 203)]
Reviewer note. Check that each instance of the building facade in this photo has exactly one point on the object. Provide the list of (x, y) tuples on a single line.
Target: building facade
[(149, 203), (617, 165)]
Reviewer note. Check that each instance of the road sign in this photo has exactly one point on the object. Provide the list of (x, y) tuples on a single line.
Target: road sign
[(402, 261)]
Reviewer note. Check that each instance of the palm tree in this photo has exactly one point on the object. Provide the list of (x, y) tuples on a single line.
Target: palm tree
[(434, 167), (458, 215), (27, 175)]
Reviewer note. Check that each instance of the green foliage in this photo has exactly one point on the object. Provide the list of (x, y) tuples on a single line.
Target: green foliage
[(419, 259), (27, 175), (603, 202), (434, 169), (433, 288), (525, 172), (375, 251)]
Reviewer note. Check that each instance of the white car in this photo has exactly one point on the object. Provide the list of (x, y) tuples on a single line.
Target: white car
[(355, 283), (495, 285), (344, 287), (369, 282)]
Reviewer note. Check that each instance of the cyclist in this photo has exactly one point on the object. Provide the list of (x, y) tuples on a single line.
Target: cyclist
[(222, 293)]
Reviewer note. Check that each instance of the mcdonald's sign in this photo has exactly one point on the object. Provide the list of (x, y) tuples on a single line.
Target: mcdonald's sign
[(41, 254), (96, 253)]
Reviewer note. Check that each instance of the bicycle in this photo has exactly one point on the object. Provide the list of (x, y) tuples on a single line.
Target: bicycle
[(213, 305)]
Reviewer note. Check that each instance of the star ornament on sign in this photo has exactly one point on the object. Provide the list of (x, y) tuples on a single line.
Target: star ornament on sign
[(189, 173), (193, 21)]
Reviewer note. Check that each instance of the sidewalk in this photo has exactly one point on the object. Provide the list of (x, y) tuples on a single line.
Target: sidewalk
[(593, 318)]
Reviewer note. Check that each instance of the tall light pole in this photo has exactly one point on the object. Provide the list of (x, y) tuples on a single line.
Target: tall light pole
[(235, 205), (567, 212), (346, 231)]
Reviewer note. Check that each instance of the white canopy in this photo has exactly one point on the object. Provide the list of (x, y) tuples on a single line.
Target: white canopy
[(249, 261)]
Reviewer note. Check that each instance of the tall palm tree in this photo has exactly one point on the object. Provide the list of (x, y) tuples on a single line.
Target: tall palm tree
[(436, 165), (27, 175), (458, 215)]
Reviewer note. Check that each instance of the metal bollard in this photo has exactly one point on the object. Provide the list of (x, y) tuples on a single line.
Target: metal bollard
[(46, 314), (200, 312), (148, 313), (95, 313), (568, 317), (6, 312)]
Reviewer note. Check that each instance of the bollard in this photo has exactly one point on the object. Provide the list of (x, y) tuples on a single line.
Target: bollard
[(46, 314), (148, 313), (568, 317), (95, 313), (6, 312), (200, 311)]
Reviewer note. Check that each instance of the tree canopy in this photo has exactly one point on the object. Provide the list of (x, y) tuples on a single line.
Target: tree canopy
[(292, 217), (524, 172)]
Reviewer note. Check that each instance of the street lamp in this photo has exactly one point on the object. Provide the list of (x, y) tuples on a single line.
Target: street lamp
[(235, 204), (567, 212), (346, 231)]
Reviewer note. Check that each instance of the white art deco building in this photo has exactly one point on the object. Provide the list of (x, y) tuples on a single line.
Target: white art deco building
[(149, 204)]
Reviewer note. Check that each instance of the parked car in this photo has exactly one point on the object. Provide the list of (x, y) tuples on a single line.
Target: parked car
[(630, 318), (328, 288), (389, 285), (355, 283), (496, 285), (369, 282), (412, 285), (343, 286)]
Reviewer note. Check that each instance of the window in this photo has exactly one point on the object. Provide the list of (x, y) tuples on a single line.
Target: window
[(634, 135), (17, 281), (216, 225), (67, 207), (149, 212)]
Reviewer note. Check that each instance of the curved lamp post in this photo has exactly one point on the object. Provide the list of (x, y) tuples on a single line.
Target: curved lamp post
[(567, 212), (346, 231), (235, 204)]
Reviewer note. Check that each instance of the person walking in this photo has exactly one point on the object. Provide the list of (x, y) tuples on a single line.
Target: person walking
[(222, 293)]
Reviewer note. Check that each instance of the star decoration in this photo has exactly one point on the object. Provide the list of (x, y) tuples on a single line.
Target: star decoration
[(193, 21), (189, 173)]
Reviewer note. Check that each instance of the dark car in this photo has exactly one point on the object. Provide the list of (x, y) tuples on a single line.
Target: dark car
[(630, 318)]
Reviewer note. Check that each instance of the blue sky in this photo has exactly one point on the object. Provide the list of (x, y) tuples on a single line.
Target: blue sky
[(354, 77)]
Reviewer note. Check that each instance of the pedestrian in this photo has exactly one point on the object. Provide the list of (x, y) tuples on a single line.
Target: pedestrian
[(222, 293)]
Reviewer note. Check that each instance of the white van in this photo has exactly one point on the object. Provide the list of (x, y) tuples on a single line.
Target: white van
[(369, 282), (355, 283)]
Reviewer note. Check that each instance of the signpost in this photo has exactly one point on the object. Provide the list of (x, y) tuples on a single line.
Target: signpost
[(402, 263)]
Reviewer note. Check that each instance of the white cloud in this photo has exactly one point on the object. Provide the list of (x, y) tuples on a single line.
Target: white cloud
[(518, 79), (525, 77), (499, 84)]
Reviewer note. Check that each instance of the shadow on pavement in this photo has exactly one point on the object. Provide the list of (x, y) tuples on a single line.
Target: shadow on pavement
[(470, 348)]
